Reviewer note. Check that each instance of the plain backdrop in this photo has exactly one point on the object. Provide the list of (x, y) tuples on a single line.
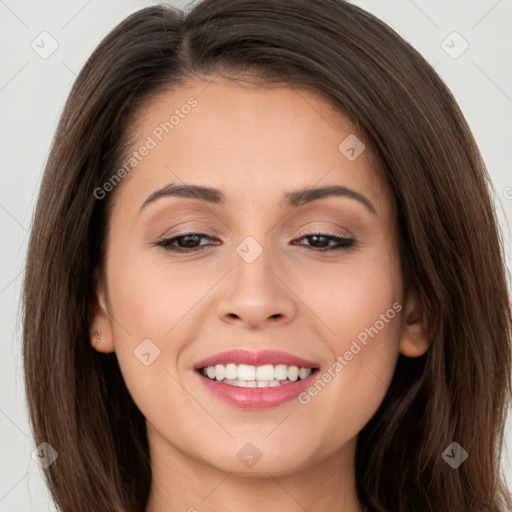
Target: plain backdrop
[(469, 43)]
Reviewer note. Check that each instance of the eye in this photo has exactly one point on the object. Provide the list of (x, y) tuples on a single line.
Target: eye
[(188, 242), (319, 239)]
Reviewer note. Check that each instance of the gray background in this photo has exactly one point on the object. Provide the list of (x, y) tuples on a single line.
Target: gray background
[(33, 90)]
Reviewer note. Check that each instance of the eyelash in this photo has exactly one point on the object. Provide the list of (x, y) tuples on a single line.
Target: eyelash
[(343, 243)]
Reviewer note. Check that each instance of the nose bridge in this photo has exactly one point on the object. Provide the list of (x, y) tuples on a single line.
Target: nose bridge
[(252, 263), (253, 254)]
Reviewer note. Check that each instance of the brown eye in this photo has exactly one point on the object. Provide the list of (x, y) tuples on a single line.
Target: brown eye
[(319, 242), (185, 242), (189, 242)]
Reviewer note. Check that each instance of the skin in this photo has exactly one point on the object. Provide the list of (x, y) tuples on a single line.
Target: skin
[(254, 144)]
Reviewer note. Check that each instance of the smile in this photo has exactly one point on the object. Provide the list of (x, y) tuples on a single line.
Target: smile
[(256, 380), (249, 376)]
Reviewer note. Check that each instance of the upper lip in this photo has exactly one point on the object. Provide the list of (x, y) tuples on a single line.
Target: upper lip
[(260, 358)]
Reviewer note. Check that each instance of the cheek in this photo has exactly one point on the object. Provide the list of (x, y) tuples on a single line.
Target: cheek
[(150, 291), (348, 392), (360, 320), (350, 297), (144, 306), (152, 325)]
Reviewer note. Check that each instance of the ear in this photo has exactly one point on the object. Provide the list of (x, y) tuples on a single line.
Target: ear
[(101, 337), (414, 340)]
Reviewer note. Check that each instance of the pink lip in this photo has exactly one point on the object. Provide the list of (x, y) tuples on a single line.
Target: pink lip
[(257, 398), (241, 356)]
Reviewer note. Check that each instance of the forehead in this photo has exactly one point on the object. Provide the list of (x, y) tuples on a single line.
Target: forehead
[(252, 142)]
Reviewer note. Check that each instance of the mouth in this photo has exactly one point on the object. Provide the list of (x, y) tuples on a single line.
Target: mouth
[(249, 376), (256, 380)]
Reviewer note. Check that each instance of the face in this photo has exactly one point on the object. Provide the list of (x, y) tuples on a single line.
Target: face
[(317, 277)]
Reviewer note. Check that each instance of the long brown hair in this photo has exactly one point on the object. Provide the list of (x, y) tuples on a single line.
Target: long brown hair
[(451, 251)]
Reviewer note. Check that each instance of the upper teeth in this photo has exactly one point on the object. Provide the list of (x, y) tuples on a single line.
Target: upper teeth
[(259, 373)]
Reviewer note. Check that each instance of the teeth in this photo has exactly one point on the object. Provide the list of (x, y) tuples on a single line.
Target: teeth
[(244, 375), (304, 373), (220, 372), (260, 383), (265, 372), (231, 371), (245, 372), (256, 383), (293, 373), (281, 372)]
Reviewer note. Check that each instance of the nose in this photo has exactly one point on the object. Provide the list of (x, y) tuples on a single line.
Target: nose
[(257, 294)]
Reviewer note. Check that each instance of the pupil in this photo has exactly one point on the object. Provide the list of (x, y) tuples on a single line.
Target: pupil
[(189, 237), (316, 237)]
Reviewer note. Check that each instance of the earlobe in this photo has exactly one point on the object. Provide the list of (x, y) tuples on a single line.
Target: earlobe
[(414, 339), (100, 335)]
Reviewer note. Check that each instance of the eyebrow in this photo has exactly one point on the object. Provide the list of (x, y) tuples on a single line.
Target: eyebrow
[(291, 199)]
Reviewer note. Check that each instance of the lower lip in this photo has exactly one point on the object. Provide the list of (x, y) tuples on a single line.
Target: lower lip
[(257, 398)]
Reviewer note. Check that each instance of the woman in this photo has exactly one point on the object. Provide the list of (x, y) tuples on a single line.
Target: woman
[(342, 339)]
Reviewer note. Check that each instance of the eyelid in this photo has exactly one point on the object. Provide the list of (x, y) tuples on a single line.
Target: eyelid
[(213, 233), (337, 230), (193, 229)]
